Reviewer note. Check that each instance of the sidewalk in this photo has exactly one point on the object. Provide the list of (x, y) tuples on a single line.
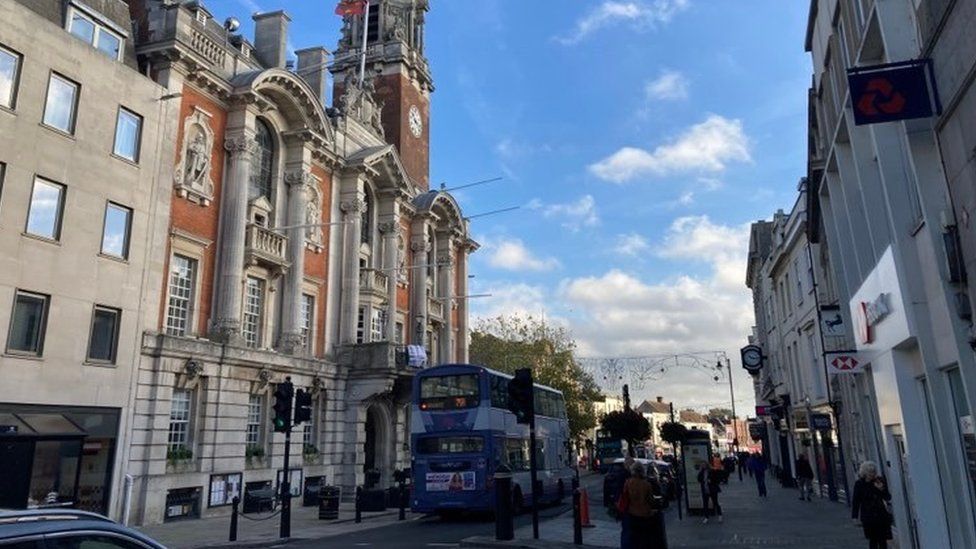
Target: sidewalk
[(305, 524), (780, 521)]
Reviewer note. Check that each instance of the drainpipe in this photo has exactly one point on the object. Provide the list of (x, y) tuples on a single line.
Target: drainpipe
[(127, 499)]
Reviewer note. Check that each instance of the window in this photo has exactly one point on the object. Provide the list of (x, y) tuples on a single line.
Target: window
[(307, 435), (799, 280), (182, 276), (399, 326), (450, 391), (115, 233), (262, 161), (179, 419), (308, 317), (46, 207), (498, 387), (62, 102), (104, 340), (224, 488), (377, 325), (254, 422), (28, 323), (253, 311), (9, 75), (361, 326), (128, 135), (90, 31), (451, 445)]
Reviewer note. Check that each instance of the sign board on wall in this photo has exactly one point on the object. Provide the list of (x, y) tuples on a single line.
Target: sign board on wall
[(831, 321), (893, 91), (844, 362)]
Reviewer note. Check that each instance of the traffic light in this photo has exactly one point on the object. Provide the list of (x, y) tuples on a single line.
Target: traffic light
[(521, 400), (282, 406), (303, 406)]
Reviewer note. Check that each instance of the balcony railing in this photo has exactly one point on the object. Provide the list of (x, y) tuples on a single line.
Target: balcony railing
[(435, 309), (377, 357), (266, 245), (374, 282)]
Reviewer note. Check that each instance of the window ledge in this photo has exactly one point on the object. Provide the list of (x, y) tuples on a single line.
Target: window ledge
[(41, 238), (100, 364), (133, 163), (115, 258), (8, 110), (58, 131), (23, 356)]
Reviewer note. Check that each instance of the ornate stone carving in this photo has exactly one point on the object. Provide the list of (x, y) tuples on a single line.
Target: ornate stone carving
[(352, 206), (420, 246), (401, 261), (192, 368), (298, 177), (445, 259), (389, 227), (360, 102), (192, 176), (240, 147), (313, 215)]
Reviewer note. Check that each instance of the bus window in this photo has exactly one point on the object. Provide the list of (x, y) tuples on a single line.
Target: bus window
[(540, 454), (517, 451), (499, 391), (449, 392), (450, 445)]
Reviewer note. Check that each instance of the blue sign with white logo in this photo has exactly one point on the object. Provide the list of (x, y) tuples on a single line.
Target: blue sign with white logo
[(894, 91)]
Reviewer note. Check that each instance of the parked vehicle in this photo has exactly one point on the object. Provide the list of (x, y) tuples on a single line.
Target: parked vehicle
[(666, 476), (67, 529)]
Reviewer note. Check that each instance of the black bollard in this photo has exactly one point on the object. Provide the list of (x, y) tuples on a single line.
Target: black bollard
[(504, 521), (235, 504), (359, 513), (577, 519), (403, 501)]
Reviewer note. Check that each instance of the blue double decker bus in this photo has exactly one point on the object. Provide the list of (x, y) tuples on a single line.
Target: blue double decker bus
[(461, 432)]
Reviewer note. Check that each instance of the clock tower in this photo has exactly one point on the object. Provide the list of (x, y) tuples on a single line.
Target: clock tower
[(400, 75)]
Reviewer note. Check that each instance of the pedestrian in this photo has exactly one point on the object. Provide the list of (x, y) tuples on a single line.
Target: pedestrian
[(757, 469), (804, 477), (639, 502), (728, 467), (742, 458), (709, 479), (617, 484), (870, 505)]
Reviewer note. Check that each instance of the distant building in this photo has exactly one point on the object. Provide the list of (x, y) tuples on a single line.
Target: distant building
[(656, 412)]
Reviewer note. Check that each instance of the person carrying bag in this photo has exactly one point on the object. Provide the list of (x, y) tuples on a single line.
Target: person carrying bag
[(642, 504)]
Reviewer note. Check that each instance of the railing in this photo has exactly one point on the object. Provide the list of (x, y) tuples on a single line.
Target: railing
[(266, 243), (435, 308), (373, 281), (208, 48)]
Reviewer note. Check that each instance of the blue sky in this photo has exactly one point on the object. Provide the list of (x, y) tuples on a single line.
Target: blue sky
[(639, 138)]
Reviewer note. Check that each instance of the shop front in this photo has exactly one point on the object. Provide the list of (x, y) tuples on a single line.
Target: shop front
[(54, 456)]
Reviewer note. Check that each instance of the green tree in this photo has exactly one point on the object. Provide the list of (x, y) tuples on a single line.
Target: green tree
[(628, 425), (507, 343), (673, 432), (720, 413)]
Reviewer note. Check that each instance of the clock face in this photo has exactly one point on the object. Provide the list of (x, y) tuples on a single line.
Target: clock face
[(416, 123), (752, 357)]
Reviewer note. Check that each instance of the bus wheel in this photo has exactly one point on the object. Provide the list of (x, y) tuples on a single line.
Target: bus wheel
[(561, 493), (518, 503)]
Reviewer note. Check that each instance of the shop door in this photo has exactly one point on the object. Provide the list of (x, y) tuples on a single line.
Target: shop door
[(906, 487), (15, 462)]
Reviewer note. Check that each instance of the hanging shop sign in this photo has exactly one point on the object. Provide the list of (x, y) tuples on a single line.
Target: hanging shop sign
[(893, 91), (831, 321), (821, 422), (844, 362)]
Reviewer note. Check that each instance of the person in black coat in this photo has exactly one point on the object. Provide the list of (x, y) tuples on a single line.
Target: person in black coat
[(869, 505), (804, 477)]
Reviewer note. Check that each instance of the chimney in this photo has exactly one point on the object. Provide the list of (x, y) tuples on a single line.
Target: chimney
[(271, 38), (660, 399), (311, 67)]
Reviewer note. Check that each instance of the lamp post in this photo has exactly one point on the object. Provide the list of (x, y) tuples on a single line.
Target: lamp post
[(735, 425)]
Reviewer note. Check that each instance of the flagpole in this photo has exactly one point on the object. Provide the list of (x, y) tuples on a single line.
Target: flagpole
[(362, 61)]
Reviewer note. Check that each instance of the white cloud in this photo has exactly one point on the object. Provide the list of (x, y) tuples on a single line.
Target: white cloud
[(512, 255), (670, 85), (508, 299), (706, 147), (698, 239), (642, 13), (575, 215), (631, 244)]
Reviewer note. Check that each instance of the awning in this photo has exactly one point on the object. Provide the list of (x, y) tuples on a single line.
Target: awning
[(38, 425)]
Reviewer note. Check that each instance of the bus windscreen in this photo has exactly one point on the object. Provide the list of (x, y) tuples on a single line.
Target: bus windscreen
[(450, 445)]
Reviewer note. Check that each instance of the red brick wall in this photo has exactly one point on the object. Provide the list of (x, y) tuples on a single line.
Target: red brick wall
[(193, 218), (317, 264)]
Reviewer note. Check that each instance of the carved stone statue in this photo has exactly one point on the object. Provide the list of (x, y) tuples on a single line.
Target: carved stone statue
[(197, 163), (313, 213), (191, 178)]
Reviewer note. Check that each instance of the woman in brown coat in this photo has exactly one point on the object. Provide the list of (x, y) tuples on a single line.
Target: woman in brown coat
[(637, 497)]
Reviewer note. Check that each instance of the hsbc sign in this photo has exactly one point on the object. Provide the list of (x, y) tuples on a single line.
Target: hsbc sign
[(844, 363)]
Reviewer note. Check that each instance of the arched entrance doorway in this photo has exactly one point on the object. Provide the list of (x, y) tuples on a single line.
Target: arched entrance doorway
[(376, 445)]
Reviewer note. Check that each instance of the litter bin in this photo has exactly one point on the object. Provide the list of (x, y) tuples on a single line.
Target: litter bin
[(329, 502)]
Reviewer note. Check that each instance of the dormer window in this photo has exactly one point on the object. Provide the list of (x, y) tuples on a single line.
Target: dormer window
[(245, 51), (201, 17), (96, 33)]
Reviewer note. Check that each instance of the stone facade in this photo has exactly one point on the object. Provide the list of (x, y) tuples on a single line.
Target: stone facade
[(86, 269), (303, 243)]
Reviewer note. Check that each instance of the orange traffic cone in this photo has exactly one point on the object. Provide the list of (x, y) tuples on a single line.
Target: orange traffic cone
[(585, 510)]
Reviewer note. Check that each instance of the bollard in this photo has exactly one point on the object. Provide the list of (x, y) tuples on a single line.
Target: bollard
[(403, 502), (235, 504), (577, 519), (504, 521), (359, 513)]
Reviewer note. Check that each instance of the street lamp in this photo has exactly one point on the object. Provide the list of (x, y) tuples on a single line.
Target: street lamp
[(735, 425)]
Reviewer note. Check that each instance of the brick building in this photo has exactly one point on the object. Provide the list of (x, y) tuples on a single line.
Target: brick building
[(303, 242)]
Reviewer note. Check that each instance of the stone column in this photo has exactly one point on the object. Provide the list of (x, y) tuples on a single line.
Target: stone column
[(419, 245), (389, 226), (462, 333), (226, 324), (351, 206), (445, 282), (291, 305)]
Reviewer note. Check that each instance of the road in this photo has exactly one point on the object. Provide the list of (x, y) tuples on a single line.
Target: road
[(432, 531)]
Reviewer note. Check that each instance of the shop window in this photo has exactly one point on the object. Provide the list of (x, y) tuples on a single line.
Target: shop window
[(182, 503)]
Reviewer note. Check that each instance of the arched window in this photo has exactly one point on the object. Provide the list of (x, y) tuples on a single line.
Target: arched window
[(366, 228), (262, 162)]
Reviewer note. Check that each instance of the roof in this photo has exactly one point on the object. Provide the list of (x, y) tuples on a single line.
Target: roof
[(36, 522), (691, 416), (654, 407)]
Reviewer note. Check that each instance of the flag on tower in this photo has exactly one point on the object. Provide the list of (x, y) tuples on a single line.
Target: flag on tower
[(351, 7)]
